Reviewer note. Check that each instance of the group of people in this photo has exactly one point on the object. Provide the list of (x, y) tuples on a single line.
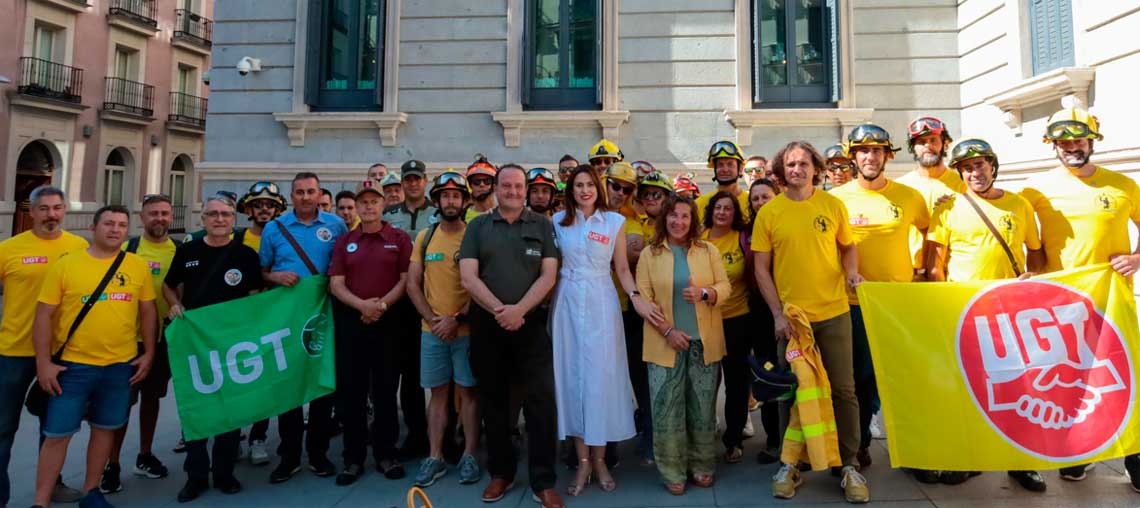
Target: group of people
[(603, 301)]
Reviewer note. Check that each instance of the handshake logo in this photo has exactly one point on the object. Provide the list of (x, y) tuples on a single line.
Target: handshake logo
[(1047, 369)]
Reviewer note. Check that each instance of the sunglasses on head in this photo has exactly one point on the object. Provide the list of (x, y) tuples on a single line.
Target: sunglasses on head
[(155, 198)]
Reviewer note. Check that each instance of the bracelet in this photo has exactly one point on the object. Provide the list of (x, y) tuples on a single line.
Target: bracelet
[(667, 332)]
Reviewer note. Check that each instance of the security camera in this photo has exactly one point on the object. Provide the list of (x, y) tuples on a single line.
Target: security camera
[(247, 65)]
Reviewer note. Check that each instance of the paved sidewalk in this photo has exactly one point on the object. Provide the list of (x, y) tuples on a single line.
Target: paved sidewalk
[(741, 485)]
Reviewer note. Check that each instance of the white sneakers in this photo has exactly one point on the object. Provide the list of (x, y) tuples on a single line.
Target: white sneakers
[(257, 454)]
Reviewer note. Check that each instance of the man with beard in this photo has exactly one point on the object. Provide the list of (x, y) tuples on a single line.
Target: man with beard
[(540, 186), (411, 216), (262, 203), (346, 209), (928, 140), (481, 178), (727, 163), (24, 261), (507, 263), (959, 234), (1084, 210), (157, 249), (881, 214), (805, 226), (566, 166), (434, 287), (839, 166)]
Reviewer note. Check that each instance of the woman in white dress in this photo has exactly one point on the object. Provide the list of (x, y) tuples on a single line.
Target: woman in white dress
[(592, 390)]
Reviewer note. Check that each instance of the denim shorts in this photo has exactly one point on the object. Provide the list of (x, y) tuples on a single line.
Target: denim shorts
[(102, 395), (441, 361)]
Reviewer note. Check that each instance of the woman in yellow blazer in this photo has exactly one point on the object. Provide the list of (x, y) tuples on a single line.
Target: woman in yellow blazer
[(684, 277)]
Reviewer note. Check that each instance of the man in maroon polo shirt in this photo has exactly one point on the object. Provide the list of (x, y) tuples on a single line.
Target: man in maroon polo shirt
[(367, 274)]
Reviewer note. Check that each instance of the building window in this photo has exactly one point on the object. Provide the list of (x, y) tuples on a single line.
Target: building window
[(45, 45), (178, 194), (1051, 33), (562, 66), (126, 63), (795, 48), (114, 176), (346, 46)]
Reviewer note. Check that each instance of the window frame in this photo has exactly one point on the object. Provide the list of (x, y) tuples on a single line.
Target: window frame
[(1062, 37), (825, 95), (319, 99), (562, 98)]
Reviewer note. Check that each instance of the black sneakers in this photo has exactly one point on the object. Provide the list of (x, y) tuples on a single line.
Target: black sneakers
[(1029, 480), (110, 483), (1132, 467), (284, 472), (148, 466)]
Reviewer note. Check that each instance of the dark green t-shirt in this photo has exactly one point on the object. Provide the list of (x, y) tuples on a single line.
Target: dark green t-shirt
[(510, 254)]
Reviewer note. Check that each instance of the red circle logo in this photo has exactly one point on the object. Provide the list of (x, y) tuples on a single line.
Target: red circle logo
[(1048, 370)]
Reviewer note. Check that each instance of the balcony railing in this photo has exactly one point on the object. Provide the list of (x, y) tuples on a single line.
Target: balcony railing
[(43, 78), (193, 28), (139, 11), (188, 109), (178, 225), (131, 97)]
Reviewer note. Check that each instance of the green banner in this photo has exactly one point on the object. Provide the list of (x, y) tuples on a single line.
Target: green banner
[(246, 360)]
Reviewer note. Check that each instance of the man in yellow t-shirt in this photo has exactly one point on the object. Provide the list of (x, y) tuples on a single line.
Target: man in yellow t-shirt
[(1084, 210), (157, 249), (435, 290), (929, 141), (727, 163), (807, 227), (882, 214), (24, 261), (958, 231), (101, 361)]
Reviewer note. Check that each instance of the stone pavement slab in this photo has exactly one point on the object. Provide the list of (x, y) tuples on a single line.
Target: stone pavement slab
[(744, 485)]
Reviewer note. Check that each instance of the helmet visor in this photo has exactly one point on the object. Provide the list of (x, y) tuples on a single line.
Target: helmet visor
[(1068, 129), (261, 187), (724, 149), (540, 175), (969, 149), (925, 125), (869, 135)]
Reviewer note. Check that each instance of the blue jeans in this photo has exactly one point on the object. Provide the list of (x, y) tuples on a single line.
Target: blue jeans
[(16, 375), (102, 394)]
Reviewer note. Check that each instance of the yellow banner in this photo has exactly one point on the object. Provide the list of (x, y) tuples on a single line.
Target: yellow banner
[(1035, 374)]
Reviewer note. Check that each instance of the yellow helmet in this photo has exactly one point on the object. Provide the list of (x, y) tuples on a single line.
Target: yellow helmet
[(622, 172), (605, 148), (724, 149), (869, 134), (1072, 123)]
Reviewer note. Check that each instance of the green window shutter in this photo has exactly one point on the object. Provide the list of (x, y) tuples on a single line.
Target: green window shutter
[(381, 30), (527, 74), (312, 51)]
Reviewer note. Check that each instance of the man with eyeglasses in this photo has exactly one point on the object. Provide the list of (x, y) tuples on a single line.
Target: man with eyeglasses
[(566, 166), (755, 167), (840, 167), (603, 154), (157, 249), (203, 273), (481, 178), (413, 215), (540, 185), (1084, 210), (727, 163), (313, 233), (24, 261)]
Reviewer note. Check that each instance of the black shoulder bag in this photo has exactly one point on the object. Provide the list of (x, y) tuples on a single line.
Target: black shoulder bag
[(37, 398)]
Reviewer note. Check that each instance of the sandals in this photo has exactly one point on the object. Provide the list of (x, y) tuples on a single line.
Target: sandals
[(734, 455), (606, 482), (576, 489), (677, 489), (703, 481)]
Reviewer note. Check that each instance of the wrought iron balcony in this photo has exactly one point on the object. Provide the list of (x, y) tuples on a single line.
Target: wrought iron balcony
[(193, 28), (137, 11), (188, 109), (131, 97), (43, 78), (178, 225)]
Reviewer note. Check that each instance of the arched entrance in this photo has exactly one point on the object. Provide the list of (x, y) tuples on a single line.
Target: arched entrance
[(34, 167), (180, 173), (116, 173)]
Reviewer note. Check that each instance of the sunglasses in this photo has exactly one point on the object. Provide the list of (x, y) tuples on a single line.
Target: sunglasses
[(838, 167), (263, 204), (155, 198), (652, 195), (624, 189), (925, 125), (480, 181), (232, 196)]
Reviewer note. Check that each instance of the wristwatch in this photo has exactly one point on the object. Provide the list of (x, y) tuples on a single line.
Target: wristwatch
[(383, 306), (704, 295), (634, 293)]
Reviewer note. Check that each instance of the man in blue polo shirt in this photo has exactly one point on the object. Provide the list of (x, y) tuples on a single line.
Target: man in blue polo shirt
[(314, 232)]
